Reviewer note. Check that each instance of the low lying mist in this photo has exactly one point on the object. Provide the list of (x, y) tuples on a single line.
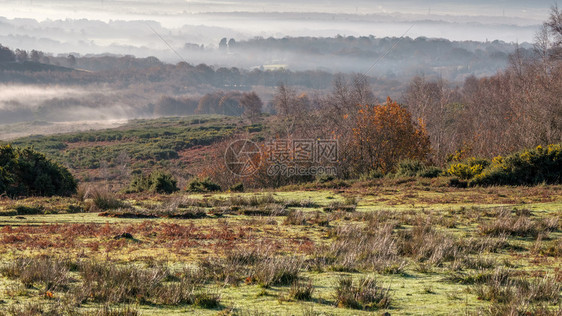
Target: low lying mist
[(23, 129), (56, 109), (15, 97), (144, 37)]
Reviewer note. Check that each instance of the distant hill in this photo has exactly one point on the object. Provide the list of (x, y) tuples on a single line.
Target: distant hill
[(31, 66)]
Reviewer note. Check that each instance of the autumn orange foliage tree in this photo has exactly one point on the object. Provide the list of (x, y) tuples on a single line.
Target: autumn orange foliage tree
[(385, 134)]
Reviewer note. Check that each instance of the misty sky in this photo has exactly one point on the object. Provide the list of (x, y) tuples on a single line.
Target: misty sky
[(125, 9), (120, 26)]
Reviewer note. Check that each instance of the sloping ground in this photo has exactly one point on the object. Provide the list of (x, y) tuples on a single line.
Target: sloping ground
[(139, 145)]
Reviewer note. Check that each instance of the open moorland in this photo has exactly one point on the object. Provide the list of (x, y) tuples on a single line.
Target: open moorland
[(207, 191), (402, 246)]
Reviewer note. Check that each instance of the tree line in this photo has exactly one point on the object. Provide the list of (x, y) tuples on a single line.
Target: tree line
[(130, 70), (436, 122), (519, 107), (234, 103)]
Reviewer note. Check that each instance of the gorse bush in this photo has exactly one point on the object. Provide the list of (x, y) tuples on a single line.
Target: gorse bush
[(415, 168), (529, 167), (157, 181), (323, 178), (238, 187), (163, 183), (409, 168), (405, 168), (430, 172), (469, 169), (202, 185), (25, 172), (371, 175), (29, 210), (139, 183)]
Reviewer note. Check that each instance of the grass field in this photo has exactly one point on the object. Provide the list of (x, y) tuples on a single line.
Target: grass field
[(405, 247)]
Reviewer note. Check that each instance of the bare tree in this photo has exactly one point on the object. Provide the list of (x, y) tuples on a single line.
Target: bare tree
[(252, 105), (21, 55), (554, 23), (435, 105), (283, 100), (338, 113), (36, 56), (554, 26), (6, 54)]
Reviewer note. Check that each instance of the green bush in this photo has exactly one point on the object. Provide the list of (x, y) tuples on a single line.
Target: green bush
[(204, 185), (4, 180), (371, 175), (163, 183), (323, 178), (430, 172), (157, 181), (415, 168), (25, 172), (529, 167), (139, 183), (238, 187), (29, 210), (409, 168)]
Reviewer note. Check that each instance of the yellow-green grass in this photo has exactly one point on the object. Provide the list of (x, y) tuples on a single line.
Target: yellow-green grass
[(414, 291)]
